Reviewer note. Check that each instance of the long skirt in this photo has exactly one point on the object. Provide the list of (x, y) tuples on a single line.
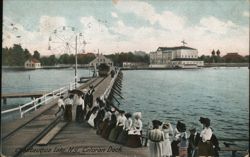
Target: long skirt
[(103, 127), (205, 149), (166, 148), (134, 141), (155, 149), (68, 113), (88, 115), (175, 148), (115, 133), (79, 113), (183, 152), (107, 131), (99, 127), (123, 137)]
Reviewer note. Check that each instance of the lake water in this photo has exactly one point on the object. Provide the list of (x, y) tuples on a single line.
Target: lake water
[(221, 94)]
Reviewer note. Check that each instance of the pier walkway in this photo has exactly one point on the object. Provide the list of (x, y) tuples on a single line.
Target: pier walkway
[(73, 140)]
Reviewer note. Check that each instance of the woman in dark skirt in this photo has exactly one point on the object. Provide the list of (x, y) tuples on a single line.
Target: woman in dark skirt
[(79, 102), (134, 135), (98, 119), (68, 108), (122, 138), (111, 125), (118, 128), (103, 125)]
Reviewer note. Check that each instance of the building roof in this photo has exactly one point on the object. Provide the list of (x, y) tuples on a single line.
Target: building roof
[(186, 59), (175, 48), (232, 57), (33, 60)]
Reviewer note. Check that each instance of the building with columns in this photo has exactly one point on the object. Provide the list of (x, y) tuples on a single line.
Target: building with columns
[(175, 57)]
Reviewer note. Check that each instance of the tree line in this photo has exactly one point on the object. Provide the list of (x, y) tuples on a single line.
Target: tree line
[(215, 57), (17, 56)]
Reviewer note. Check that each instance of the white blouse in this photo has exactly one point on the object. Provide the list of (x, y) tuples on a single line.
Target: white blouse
[(137, 125), (121, 120), (206, 134), (128, 124)]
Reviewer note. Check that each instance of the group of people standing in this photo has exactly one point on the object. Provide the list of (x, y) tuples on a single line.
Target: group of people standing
[(168, 142), (119, 127), (110, 123), (83, 102)]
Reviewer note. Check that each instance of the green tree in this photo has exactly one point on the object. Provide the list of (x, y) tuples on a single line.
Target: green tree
[(36, 55), (27, 54), (17, 55)]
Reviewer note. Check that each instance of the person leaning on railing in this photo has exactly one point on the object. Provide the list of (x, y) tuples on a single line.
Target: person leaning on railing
[(60, 104), (68, 108)]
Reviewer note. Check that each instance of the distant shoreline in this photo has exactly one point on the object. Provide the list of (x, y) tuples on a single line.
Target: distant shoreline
[(206, 65)]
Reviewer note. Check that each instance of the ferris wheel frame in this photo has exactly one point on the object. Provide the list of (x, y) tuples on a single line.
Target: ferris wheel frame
[(65, 39)]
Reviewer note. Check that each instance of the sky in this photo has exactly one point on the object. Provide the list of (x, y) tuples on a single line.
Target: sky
[(124, 25)]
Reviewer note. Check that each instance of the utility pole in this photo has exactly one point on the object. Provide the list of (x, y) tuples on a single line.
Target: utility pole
[(76, 63)]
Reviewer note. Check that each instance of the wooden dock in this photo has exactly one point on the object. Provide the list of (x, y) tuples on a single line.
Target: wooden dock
[(20, 138)]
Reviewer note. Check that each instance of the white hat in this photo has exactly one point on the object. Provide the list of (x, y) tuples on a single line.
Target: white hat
[(137, 114)]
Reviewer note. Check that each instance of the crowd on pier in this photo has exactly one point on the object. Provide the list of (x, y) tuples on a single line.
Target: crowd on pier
[(125, 128)]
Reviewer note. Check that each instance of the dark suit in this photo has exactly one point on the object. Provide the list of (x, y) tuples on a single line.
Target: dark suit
[(193, 142)]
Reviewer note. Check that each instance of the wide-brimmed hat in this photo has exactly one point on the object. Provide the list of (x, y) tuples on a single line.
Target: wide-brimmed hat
[(137, 114), (128, 115), (205, 121), (121, 112), (202, 120), (193, 129), (181, 127), (165, 125), (156, 123)]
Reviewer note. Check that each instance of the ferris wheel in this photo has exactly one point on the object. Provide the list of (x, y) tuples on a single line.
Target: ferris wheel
[(65, 39)]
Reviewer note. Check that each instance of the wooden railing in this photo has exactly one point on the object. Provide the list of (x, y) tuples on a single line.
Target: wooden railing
[(46, 98)]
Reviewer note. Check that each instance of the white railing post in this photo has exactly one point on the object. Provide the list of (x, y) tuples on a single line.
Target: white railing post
[(20, 110), (70, 86), (45, 99), (35, 102)]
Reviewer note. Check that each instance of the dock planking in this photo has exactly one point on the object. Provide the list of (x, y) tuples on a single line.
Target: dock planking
[(19, 133), (81, 140)]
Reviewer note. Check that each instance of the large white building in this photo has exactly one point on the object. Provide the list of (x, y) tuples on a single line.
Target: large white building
[(171, 57)]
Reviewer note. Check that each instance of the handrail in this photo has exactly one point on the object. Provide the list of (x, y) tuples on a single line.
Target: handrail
[(43, 99)]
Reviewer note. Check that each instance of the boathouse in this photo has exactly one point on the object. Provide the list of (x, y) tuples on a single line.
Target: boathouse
[(171, 57), (100, 58), (32, 63)]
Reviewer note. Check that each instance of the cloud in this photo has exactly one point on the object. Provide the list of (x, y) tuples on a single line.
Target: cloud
[(209, 33), (47, 23), (166, 19), (141, 9), (170, 21), (214, 25), (246, 14), (113, 14)]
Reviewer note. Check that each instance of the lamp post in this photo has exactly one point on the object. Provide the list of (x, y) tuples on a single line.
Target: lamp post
[(76, 63)]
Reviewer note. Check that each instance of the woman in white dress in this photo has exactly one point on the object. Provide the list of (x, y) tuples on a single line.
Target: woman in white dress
[(134, 134), (93, 115), (166, 144), (156, 137)]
